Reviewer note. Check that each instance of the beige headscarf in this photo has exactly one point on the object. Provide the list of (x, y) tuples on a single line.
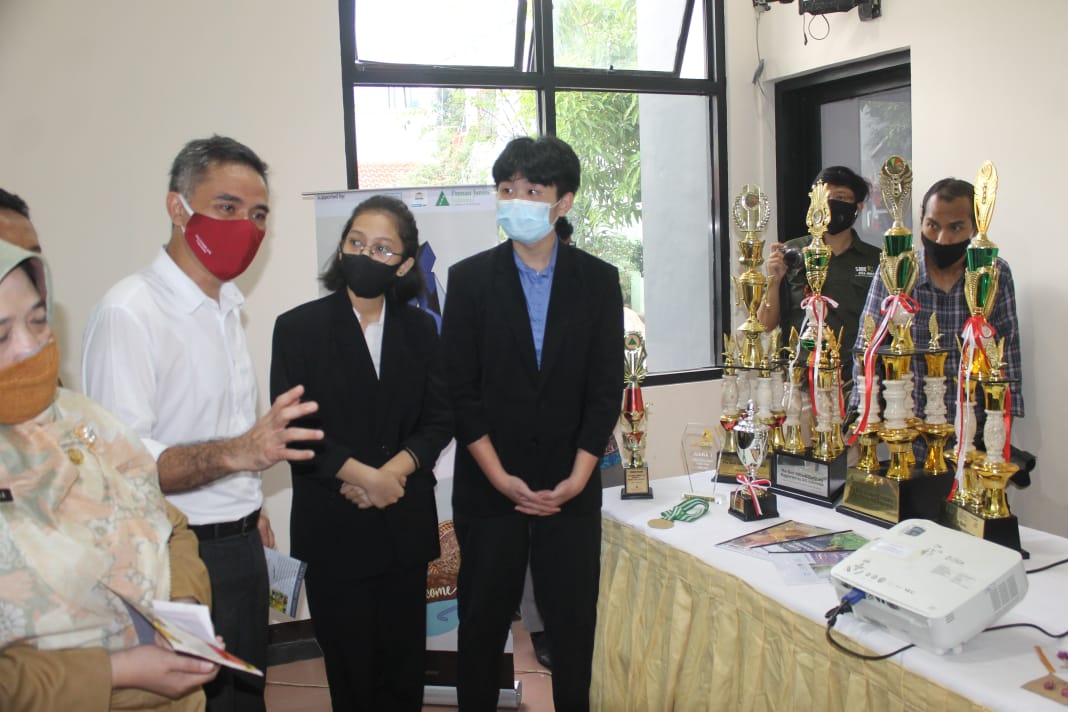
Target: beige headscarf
[(81, 517)]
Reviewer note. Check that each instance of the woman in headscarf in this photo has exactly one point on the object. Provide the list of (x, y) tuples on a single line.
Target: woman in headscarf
[(82, 522)]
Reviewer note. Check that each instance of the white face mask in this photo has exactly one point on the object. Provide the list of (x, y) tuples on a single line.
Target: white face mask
[(525, 221)]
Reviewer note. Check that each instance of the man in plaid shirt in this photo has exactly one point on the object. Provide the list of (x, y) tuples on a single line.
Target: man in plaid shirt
[(947, 220)]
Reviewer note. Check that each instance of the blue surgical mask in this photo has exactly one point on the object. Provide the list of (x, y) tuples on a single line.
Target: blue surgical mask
[(525, 221)]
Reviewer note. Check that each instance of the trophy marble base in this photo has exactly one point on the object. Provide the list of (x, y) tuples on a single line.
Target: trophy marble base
[(742, 506), (880, 500), (1004, 530), (730, 467), (806, 478), (636, 484)]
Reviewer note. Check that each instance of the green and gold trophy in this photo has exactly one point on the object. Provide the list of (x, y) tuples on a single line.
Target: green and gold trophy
[(633, 417), (899, 491), (979, 506), (818, 474)]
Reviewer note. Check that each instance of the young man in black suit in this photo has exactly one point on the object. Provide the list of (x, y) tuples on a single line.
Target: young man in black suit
[(532, 337)]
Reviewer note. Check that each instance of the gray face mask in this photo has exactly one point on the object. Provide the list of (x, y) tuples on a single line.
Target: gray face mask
[(944, 255)]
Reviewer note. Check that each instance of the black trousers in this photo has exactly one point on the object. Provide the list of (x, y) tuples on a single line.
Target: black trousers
[(239, 592), (565, 563), (372, 633)]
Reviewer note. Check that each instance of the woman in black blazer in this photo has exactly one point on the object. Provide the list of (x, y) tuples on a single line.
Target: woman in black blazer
[(363, 513)]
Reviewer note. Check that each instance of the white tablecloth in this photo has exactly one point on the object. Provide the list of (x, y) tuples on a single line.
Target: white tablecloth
[(989, 670)]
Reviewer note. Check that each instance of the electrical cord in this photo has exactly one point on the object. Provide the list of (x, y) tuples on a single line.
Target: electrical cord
[(855, 595), (1047, 567), (845, 606)]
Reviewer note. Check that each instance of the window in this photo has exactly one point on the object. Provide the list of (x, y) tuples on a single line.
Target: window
[(857, 115), (435, 88)]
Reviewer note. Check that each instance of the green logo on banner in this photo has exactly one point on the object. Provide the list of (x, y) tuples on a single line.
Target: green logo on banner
[(442, 200)]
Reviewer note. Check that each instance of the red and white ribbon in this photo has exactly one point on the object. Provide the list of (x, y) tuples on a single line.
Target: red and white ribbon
[(888, 309), (754, 486), (976, 328), (819, 305)]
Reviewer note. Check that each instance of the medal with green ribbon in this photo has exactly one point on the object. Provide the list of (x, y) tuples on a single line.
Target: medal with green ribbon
[(691, 509)]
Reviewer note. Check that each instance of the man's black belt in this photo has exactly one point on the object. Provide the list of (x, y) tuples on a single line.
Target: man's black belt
[(221, 530)]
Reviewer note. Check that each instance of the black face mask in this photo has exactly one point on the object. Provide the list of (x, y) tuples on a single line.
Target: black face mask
[(843, 215), (367, 277), (944, 255)]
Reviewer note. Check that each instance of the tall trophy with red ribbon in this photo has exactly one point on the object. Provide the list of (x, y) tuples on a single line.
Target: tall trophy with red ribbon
[(633, 418), (978, 505), (900, 490), (752, 500), (815, 474)]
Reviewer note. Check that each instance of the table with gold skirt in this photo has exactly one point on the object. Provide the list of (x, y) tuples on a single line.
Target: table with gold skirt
[(683, 625)]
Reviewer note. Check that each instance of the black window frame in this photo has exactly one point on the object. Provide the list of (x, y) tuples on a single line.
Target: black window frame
[(546, 80), (798, 142)]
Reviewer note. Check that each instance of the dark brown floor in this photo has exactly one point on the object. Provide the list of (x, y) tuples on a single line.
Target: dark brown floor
[(301, 686)]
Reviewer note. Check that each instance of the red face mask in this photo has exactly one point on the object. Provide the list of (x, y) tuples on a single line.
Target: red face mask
[(225, 247)]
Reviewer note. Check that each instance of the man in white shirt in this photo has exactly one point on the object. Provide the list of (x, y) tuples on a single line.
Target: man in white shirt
[(166, 352)]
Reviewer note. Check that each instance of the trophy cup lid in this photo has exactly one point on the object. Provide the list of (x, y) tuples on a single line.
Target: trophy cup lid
[(751, 209), (986, 190), (895, 183)]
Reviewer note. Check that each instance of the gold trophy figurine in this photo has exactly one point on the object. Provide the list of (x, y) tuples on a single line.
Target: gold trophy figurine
[(816, 255), (633, 416), (751, 211), (933, 427), (868, 437), (897, 264)]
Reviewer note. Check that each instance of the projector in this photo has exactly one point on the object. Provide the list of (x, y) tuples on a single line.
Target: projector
[(868, 9), (930, 585)]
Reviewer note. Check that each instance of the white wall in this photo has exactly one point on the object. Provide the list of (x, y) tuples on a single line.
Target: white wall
[(987, 80), (98, 97)]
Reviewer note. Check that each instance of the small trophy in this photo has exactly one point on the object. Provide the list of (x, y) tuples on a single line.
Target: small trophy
[(752, 500), (633, 417)]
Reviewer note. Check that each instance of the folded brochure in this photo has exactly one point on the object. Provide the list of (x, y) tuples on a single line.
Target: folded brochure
[(187, 628)]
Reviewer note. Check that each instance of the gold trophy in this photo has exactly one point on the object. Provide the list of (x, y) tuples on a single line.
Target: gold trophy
[(815, 475), (746, 366), (751, 212), (933, 427), (886, 498), (633, 416), (979, 506)]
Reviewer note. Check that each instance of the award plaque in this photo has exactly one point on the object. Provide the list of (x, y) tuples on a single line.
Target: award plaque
[(700, 447), (804, 477), (633, 418)]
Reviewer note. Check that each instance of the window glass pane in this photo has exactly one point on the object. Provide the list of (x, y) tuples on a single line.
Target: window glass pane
[(412, 136), (634, 210), (861, 133), (449, 32), (695, 60), (617, 34)]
